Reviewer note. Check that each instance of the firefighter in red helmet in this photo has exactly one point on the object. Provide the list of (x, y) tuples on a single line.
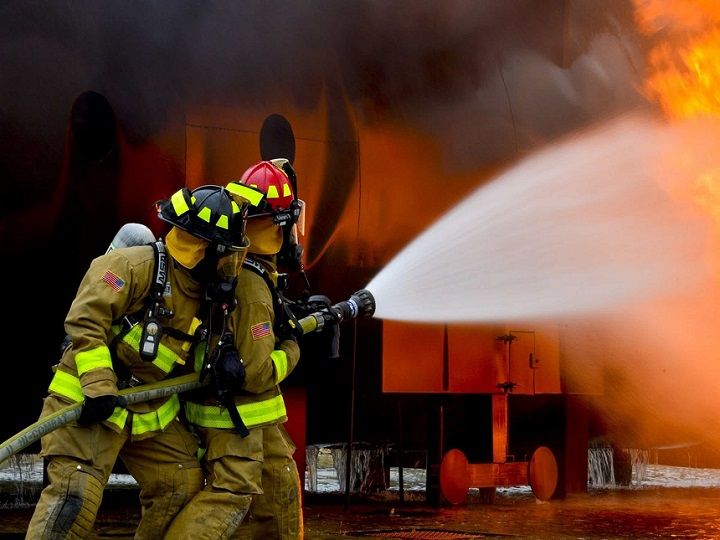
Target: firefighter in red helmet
[(237, 467), (257, 468), (134, 321)]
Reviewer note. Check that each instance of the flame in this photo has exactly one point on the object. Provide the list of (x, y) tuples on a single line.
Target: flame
[(684, 80), (684, 74)]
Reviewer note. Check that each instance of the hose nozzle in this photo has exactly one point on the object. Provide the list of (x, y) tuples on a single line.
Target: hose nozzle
[(360, 304)]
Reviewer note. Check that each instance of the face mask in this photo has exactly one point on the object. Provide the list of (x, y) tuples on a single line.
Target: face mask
[(220, 288), (230, 264)]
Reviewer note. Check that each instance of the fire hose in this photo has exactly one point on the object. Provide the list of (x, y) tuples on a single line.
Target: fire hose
[(137, 394), (360, 304)]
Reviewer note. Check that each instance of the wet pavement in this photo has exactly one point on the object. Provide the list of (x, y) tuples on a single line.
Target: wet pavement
[(606, 514), (663, 502), (651, 514)]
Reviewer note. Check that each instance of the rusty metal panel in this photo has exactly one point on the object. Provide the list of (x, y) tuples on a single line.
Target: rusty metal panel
[(500, 414), (498, 474), (546, 364), (520, 354), (412, 357), (475, 358)]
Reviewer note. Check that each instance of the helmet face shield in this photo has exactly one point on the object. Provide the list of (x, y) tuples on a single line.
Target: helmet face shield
[(300, 221)]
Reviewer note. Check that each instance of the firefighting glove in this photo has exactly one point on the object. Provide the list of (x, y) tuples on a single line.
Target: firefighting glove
[(98, 409), (229, 372)]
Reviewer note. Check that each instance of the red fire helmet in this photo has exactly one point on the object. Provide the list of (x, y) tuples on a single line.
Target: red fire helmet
[(270, 178)]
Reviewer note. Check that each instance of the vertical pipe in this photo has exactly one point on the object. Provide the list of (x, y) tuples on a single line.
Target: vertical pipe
[(446, 361), (401, 488), (348, 453)]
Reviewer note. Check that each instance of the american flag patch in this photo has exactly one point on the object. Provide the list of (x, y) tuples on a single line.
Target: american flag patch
[(116, 283), (260, 330)]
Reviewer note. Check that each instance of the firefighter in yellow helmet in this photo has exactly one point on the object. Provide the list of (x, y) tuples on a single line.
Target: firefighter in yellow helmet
[(135, 320), (258, 468)]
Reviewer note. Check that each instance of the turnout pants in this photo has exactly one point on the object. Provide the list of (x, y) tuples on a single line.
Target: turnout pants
[(233, 469), (277, 512), (81, 460)]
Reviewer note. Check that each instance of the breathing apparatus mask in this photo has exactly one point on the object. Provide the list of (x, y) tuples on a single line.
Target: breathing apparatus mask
[(220, 287)]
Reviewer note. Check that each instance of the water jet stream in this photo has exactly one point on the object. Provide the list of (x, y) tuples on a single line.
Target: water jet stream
[(580, 226)]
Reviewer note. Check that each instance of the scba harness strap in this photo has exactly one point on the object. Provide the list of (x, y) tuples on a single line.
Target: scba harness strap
[(148, 342), (281, 305), (152, 329)]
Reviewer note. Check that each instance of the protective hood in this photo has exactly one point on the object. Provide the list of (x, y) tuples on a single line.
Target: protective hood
[(265, 236), (186, 249)]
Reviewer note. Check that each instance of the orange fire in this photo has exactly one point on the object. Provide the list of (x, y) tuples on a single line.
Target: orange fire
[(684, 80), (684, 73)]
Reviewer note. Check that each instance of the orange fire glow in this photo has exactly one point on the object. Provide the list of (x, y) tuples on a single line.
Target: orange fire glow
[(684, 72), (684, 80), (661, 358)]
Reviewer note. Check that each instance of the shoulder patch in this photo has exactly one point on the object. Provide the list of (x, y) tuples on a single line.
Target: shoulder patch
[(115, 282), (260, 330)]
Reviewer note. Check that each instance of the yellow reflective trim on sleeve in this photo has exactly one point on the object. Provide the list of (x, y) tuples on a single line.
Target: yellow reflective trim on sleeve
[(205, 214), (178, 203), (253, 414), (66, 385), (156, 420), (97, 358), (279, 359), (118, 417), (166, 357), (222, 222)]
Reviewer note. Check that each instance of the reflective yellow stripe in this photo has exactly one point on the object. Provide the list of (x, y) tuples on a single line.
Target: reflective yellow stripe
[(67, 385), (222, 222), (204, 214), (166, 357), (178, 203), (279, 358), (95, 359), (253, 414), (286, 190), (253, 196), (118, 417), (272, 192), (156, 420)]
